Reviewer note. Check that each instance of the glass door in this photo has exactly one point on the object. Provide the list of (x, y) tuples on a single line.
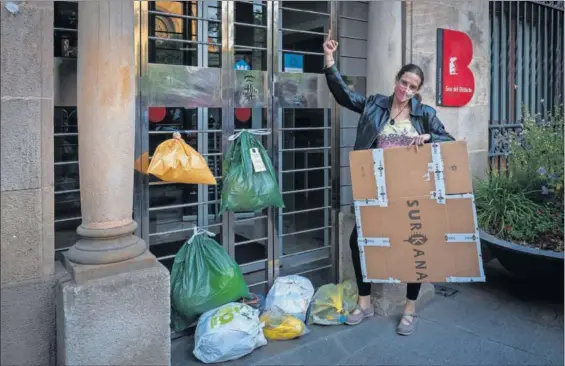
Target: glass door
[(209, 69), (302, 113)]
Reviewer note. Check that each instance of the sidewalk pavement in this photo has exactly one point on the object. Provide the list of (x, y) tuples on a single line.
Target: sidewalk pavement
[(502, 322)]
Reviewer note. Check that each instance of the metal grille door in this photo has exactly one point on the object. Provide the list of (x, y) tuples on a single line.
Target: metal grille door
[(209, 69)]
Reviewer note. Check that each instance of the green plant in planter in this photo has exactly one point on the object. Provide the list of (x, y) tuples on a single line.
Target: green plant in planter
[(525, 204)]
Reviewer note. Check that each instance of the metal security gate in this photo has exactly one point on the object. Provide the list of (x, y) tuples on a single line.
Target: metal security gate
[(211, 68), (526, 60)]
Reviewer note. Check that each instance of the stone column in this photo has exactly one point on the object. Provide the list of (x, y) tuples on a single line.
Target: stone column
[(106, 124), (113, 306), (384, 45)]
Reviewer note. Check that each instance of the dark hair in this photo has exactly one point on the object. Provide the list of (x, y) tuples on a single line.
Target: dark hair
[(414, 69)]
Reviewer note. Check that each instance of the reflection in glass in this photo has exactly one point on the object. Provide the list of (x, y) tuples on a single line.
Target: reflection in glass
[(66, 176), (304, 159), (250, 35), (173, 32), (65, 26), (303, 32)]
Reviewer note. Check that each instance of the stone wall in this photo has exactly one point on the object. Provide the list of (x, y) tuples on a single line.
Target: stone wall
[(472, 17), (353, 32), (26, 186)]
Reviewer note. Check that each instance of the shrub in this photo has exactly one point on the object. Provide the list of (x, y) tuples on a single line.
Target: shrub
[(537, 156), (525, 204)]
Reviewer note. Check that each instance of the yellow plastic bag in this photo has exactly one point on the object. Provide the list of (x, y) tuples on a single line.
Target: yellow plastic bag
[(332, 303), (175, 161), (282, 327)]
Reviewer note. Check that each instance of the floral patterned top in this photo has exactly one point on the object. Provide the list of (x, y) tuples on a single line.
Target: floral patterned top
[(400, 133)]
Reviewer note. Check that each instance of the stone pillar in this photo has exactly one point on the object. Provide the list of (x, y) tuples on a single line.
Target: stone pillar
[(106, 125), (384, 46), (113, 307)]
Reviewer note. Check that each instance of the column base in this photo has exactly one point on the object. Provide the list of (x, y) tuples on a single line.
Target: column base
[(106, 251), (117, 314)]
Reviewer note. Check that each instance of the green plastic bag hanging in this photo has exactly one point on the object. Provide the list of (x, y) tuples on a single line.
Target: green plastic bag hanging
[(204, 277), (250, 183)]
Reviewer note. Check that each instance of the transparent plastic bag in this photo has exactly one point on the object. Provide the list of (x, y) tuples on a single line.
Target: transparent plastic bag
[(176, 161), (333, 303), (203, 278), (228, 333), (282, 327), (291, 295), (250, 182)]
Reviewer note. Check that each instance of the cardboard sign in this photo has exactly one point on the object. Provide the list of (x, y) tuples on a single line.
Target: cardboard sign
[(415, 214), (455, 83)]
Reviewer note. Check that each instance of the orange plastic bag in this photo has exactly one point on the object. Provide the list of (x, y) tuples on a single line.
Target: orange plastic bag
[(175, 161), (142, 163)]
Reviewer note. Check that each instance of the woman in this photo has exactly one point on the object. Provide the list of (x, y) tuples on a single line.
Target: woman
[(386, 121)]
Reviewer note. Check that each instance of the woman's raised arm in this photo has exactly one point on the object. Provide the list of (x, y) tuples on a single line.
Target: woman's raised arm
[(341, 92)]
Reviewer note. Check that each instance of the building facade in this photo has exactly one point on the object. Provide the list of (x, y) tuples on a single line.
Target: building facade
[(113, 85)]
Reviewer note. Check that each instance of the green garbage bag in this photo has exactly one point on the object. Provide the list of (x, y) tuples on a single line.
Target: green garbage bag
[(332, 303), (204, 277), (249, 180)]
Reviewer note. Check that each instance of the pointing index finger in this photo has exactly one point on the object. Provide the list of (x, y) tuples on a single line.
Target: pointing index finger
[(329, 37)]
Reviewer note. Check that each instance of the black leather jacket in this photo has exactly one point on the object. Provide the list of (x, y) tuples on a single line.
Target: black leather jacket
[(375, 112)]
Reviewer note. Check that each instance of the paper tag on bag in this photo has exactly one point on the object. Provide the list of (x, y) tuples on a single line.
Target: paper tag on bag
[(257, 161)]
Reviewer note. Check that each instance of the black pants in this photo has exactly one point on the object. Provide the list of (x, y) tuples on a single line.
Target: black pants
[(412, 289)]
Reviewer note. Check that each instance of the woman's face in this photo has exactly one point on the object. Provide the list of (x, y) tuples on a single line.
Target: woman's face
[(407, 86)]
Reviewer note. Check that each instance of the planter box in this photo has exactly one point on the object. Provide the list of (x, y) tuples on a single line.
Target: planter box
[(523, 261)]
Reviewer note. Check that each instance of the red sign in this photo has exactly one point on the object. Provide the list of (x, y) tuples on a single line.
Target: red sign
[(242, 114), (455, 84), (157, 114)]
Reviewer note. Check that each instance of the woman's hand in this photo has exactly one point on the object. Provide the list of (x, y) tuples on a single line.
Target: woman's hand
[(330, 46), (420, 140)]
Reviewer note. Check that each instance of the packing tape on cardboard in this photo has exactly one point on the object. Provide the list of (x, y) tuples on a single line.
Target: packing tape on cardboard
[(361, 239), (382, 280), (357, 210), (478, 241), (362, 260), (462, 238), (380, 177), (368, 203), (460, 196), (466, 279), (437, 169), (374, 242)]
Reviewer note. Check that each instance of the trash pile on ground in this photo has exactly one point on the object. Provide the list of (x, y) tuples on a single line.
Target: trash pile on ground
[(235, 330), (206, 282)]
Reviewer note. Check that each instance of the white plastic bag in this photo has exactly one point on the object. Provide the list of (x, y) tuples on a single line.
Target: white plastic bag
[(228, 333), (292, 295)]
